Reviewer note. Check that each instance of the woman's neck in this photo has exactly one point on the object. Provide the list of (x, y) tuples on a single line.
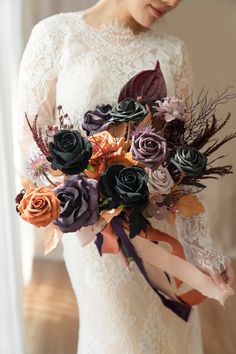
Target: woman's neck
[(106, 10)]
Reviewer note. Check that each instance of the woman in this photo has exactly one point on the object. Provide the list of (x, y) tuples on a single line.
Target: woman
[(80, 60)]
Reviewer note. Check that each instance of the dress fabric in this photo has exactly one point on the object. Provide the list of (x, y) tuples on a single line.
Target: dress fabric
[(68, 62)]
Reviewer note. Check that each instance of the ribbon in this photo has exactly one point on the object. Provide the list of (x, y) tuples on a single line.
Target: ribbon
[(153, 261), (180, 309)]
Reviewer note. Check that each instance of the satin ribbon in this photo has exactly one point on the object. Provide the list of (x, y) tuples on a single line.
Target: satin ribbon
[(153, 261)]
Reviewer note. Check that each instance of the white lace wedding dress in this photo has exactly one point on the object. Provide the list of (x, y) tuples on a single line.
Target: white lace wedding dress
[(70, 63)]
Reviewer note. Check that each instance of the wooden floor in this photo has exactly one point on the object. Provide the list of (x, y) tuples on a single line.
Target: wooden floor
[(52, 321)]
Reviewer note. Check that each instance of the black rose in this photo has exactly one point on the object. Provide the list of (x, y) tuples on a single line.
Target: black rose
[(70, 152), (124, 185), (190, 161), (128, 111), (97, 120)]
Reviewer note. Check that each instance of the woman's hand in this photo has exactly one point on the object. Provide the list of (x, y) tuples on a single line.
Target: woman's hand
[(227, 277)]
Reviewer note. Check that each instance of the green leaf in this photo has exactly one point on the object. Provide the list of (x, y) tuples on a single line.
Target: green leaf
[(105, 202), (122, 206), (137, 223), (90, 168)]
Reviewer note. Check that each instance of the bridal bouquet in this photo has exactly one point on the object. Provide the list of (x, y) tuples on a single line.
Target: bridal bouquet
[(144, 157)]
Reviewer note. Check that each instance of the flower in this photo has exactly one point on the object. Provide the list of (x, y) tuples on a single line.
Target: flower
[(172, 108), (105, 148), (148, 84), (97, 120), (78, 198), (159, 180), (148, 147), (39, 206), (38, 166), (70, 152), (190, 161), (128, 111), (124, 185)]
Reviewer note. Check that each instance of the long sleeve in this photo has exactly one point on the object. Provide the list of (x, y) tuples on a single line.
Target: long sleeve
[(37, 82), (184, 77), (194, 232)]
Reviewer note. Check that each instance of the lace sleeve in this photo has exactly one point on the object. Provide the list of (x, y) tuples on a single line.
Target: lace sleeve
[(194, 234), (184, 79), (37, 81)]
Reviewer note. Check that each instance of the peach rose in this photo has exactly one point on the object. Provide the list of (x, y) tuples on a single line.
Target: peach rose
[(39, 206)]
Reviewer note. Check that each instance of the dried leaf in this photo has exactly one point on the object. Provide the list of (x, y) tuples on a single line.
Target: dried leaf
[(171, 219), (189, 205), (27, 183), (146, 121), (52, 237), (108, 215), (118, 131)]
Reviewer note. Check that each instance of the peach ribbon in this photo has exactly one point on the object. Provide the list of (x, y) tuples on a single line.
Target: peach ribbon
[(157, 260), (175, 264)]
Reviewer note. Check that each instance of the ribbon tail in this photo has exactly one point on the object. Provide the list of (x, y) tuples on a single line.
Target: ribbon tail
[(180, 309), (180, 268)]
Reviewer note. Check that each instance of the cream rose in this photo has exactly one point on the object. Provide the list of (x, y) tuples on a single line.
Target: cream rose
[(159, 180)]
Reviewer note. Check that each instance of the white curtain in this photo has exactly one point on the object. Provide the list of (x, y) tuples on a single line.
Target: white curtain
[(11, 324)]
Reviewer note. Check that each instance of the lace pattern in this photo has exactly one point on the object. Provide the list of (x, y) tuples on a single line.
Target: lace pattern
[(194, 235)]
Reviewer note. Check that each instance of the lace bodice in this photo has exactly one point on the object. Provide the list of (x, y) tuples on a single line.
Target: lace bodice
[(70, 63)]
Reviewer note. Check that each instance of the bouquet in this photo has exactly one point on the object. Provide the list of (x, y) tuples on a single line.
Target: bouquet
[(144, 157)]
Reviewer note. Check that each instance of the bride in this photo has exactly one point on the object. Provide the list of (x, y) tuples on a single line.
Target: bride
[(80, 60)]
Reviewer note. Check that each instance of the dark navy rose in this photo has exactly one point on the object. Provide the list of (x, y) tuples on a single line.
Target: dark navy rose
[(78, 198), (190, 161), (128, 111), (122, 185), (69, 152), (149, 148), (97, 120)]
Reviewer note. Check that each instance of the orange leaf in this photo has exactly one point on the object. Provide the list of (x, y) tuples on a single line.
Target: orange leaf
[(27, 183), (118, 131), (147, 120), (189, 205), (171, 218)]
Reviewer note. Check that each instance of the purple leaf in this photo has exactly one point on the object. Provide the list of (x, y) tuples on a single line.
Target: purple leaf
[(148, 84)]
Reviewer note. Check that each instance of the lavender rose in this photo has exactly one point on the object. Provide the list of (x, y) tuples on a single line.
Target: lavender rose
[(97, 120), (159, 180), (79, 203), (171, 108), (148, 148)]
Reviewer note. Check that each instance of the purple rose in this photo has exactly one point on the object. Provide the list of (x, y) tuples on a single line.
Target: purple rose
[(79, 203), (97, 120), (148, 147)]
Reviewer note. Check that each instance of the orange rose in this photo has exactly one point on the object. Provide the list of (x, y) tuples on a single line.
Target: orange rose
[(39, 206), (105, 148)]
